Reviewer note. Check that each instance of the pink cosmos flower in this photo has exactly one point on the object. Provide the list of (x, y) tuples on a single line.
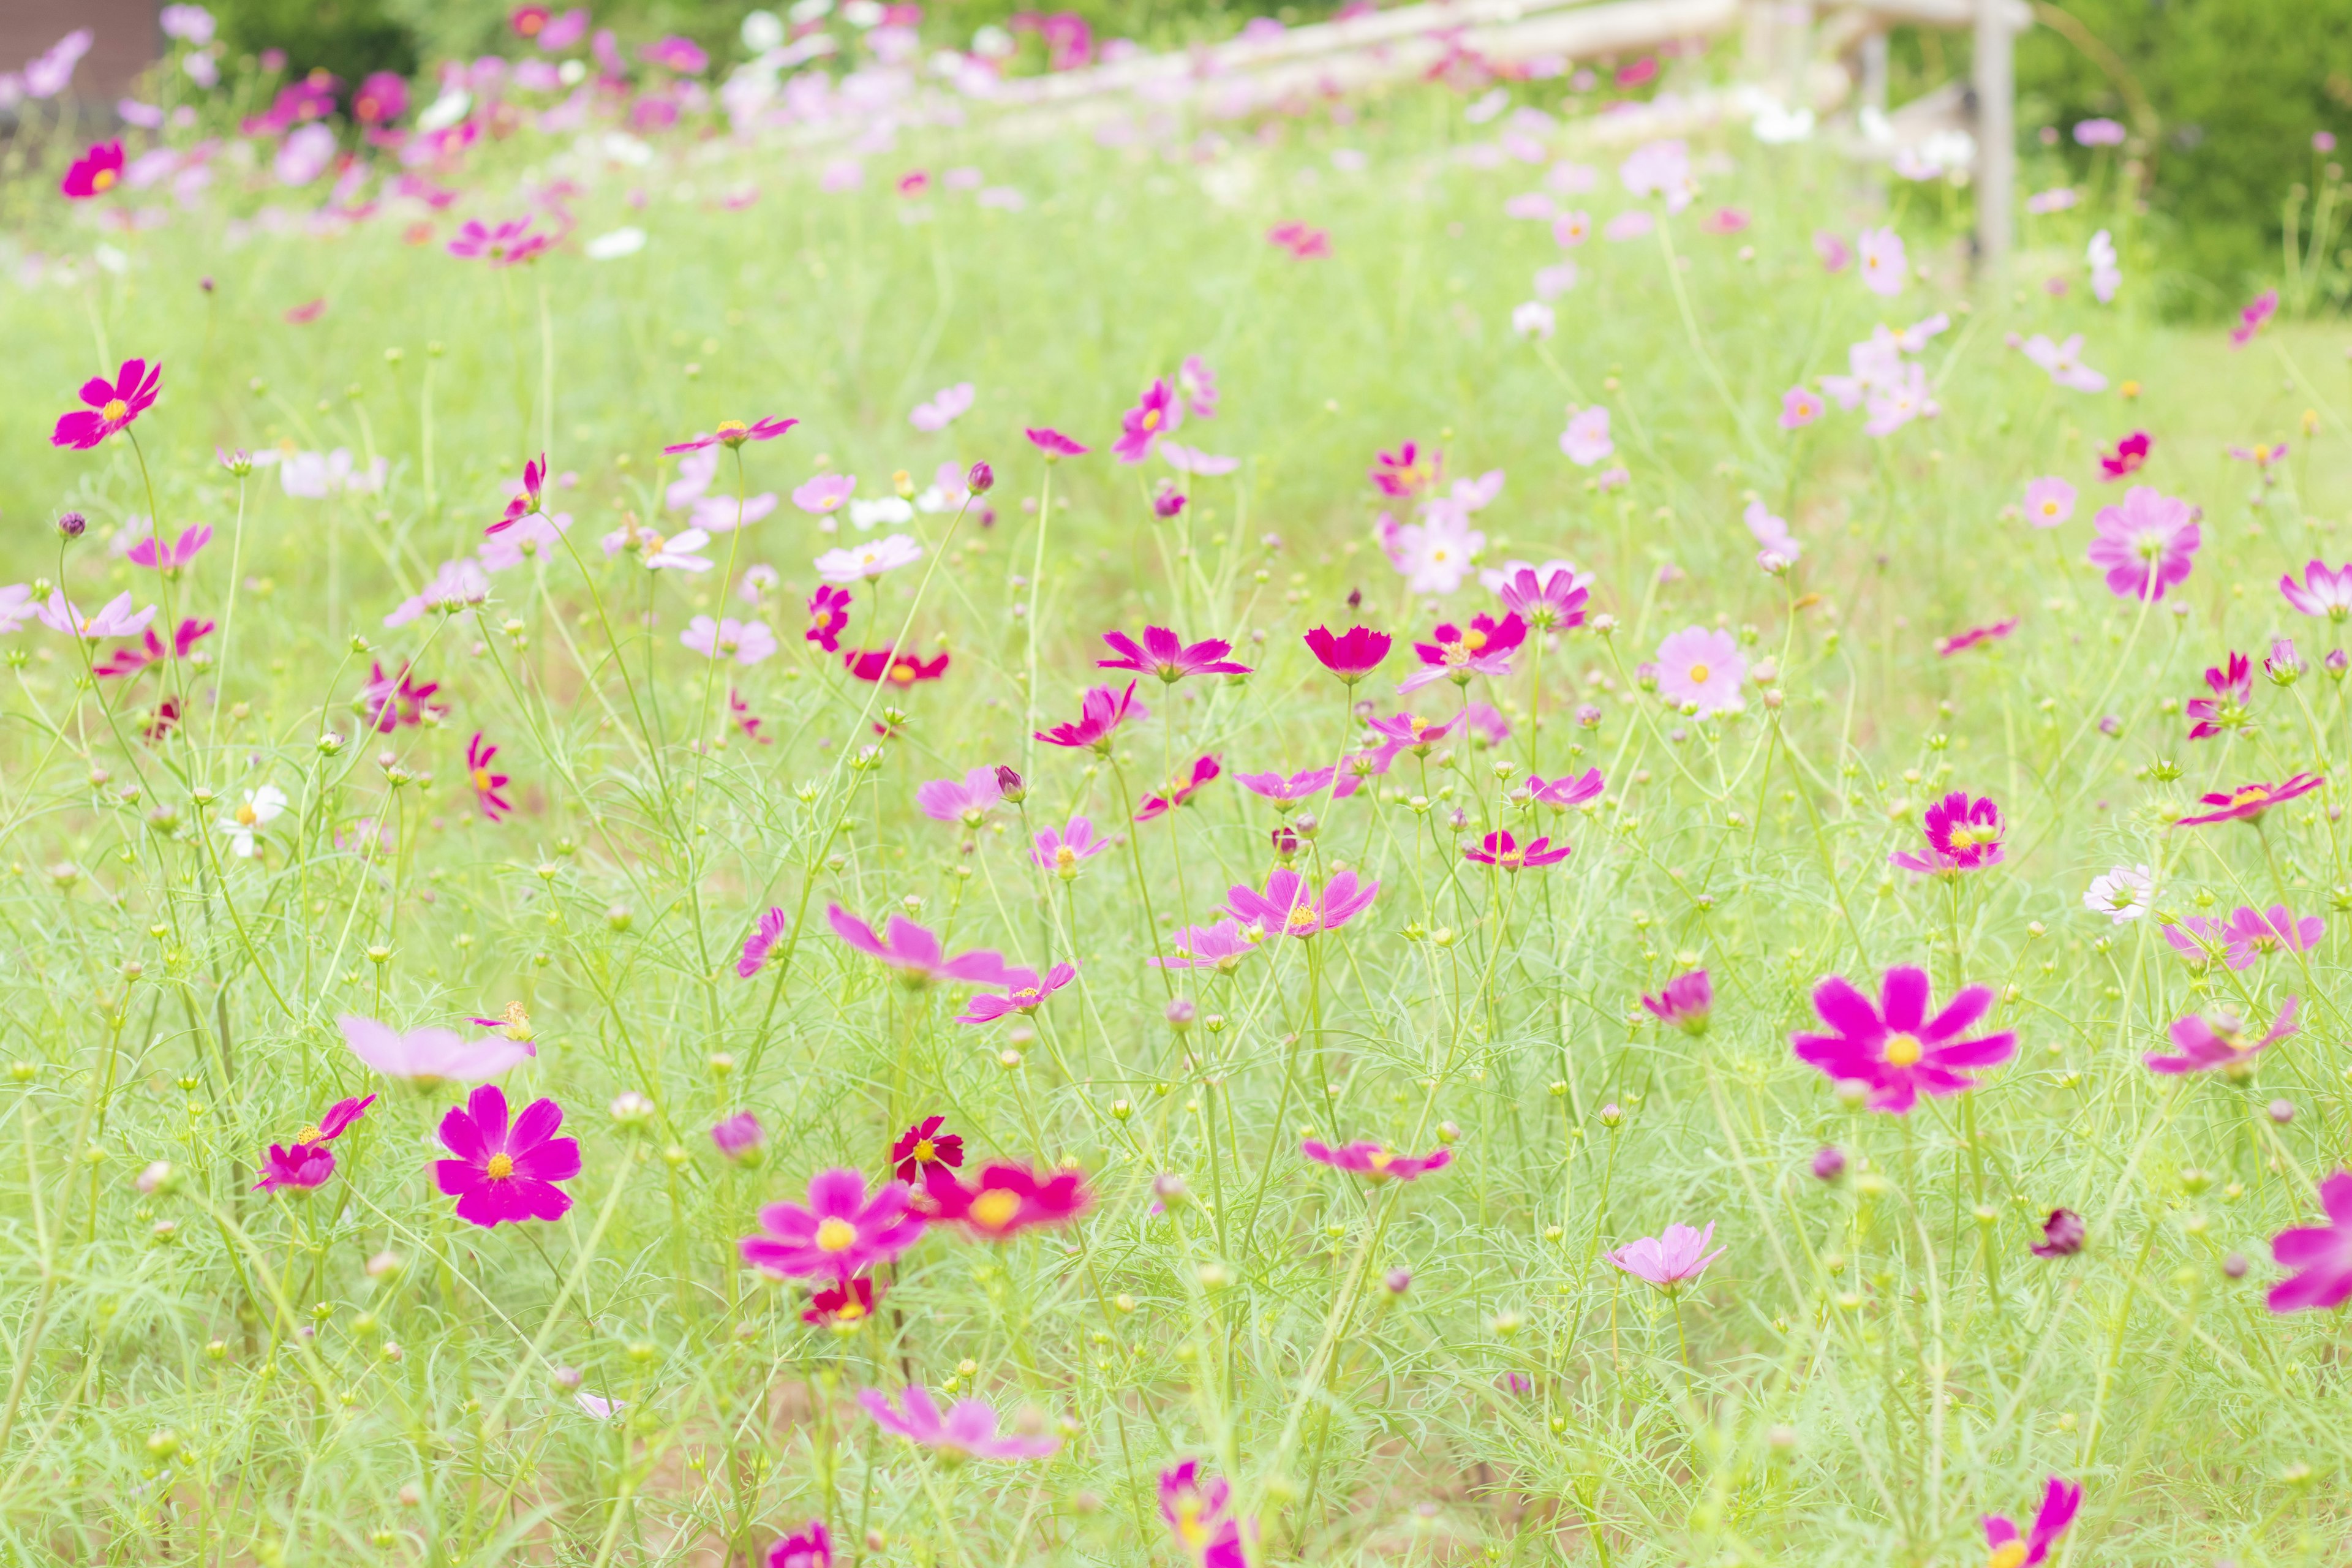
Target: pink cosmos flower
[(2063, 363), (1182, 789), (880, 664), (1774, 542), (828, 613), (825, 493), (1565, 792), (1304, 244), (1884, 267), (1963, 835), (1100, 714), (1167, 656), (2321, 591), (1586, 440), (873, 558), (337, 1120), (745, 642), (455, 585), (1196, 462), (2048, 501), (969, 1428), (2248, 801), (966, 800), (740, 1139), (397, 702), (1289, 904), (1354, 653), (430, 1057), (116, 619), (500, 245), (1158, 412), (914, 952), (2249, 934), (111, 406), (1895, 1049), (1407, 731), (486, 782), (382, 98), (1799, 408), (1024, 992), (1054, 444), (1457, 654), (946, 407), (1684, 1002), (1502, 849), (1288, 790), (733, 433), (1006, 1200), (1375, 1162), (303, 1167), (501, 1173), (2146, 545), (677, 54), (840, 1232), (1831, 250), (2320, 1255), (1196, 1510), (1961, 641), (1701, 666), (1061, 851), (2231, 705), (1546, 602), (1198, 383), (2129, 456), (525, 502), (93, 173), (761, 943), (2251, 319), (811, 1546), (131, 661), (1669, 1260), (1221, 947), (2059, 1504), (1406, 472), (2098, 134), (2219, 1042)]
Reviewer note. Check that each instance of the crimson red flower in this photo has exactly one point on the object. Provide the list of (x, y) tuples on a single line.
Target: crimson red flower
[(1007, 1199), (2129, 456), (838, 1305), (113, 405), (94, 172), (923, 1147)]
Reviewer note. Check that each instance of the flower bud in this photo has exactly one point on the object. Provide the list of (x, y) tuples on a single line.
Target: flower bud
[(1612, 1116), (1168, 1188), (1181, 1013), (72, 525), (2061, 1234), (979, 479), (2282, 1112), (158, 1177), (631, 1109), (1010, 786), (1399, 1281), (1829, 1163), (2235, 1265)]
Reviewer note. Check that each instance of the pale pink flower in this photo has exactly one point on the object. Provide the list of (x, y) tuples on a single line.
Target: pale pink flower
[(2064, 363), (1669, 1260), (1702, 667), (1886, 268), (428, 1057), (2147, 545), (2322, 592), (746, 643), (117, 619), (2048, 501), (871, 559), (946, 407), (969, 1428), (968, 800), (1586, 440)]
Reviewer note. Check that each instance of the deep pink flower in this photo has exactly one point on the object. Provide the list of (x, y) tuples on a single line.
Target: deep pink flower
[(880, 664), (1024, 992), (486, 782), (760, 942), (922, 1147), (500, 245), (2219, 1042), (152, 551), (1182, 789), (966, 800), (1457, 653), (1352, 655), (382, 98), (1502, 849), (2059, 1504), (2146, 546), (1408, 471), (1407, 731), (2248, 801), (1061, 851), (1562, 793), (1375, 1162), (1167, 656), (1304, 244), (2253, 935), (1006, 1199), (1054, 444), (1961, 642), (111, 406), (1197, 1511), (1100, 714), (501, 1172), (741, 1138), (1221, 947), (840, 1232), (828, 613), (131, 661), (914, 952), (1546, 603), (812, 1546), (1684, 1002), (93, 173), (1963, 835), (1832, 251), (1287, 790), (1895, 1049), (2251, 319), (2062, 1235), (2129, 456), (2321, 591), (2231, 705), (303, 1167), (337, 1121), (733, 433), (526, 498), (1670, 1259), (2321, 1255), (677, 54), (969, 1428), (1289, 904), (1155, 413), (394, 703)]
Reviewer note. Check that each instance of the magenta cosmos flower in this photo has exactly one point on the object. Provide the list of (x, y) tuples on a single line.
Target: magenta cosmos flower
[(303, 1167), (1546, 602), (1961, 642), (2246, 935), (2248, 801), (2321, 591), (1197, 1511), (2231, 706), (111, 406), (1167, 656), (428, 1057), (1668, 1261), (1701, 668), (175, 556), (505, 1173), (2009, 1550), (809, 1547), (1895, 1049), (2128, 458), (1375, 1162), (1684, 1002), (1181, 789), (500, 245), (1562, 793), (1352, 655), (966, 800), (1963, 835), (2219, 1042), (1289, 904), (1060, 851), (2146, 545), (922, 1145), (840, 1232), (969, 1428), (733, 433), (1024, 992), (1502, 849), (2320, 1255), (741, 1138), (1155, 413), (761, 943), (93, 173), (1407, 471), (486, 781), (1455, 653), (828, 613), (2251, 319), (1006, 1199), (1054, 444), (915, 952), (1100, 713)]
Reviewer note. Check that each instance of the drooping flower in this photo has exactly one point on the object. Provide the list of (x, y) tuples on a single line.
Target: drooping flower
[(2322, 592), (2231, 705), (828, 613), (741, 1138), (303, 1167), (1669, 1260), (1167, 656), (1290, 905), (922, 1147), (2063, 363), (1006, 1199), (1181, 789), (1963, 835), (506, 1173), (1703, 668), (1502, 850), (1061, 850), (1054, 444), (111, 406), (1961, 642), (93, 173), (2146, 545), (881, 663), (2219, 1042), (2264, 306), (841, 1231), (1196, 1510), (2321, 1256), (870, 558), (1884, 267), (1100, 713), (2129, 456), (1287, 790), (914, 950), (1024, 992), (733, 433), (2049, 501), (2124, 894), (486, 782), (812, 1545), (1565, 792), (259, 808), (2248, 801), (2062, 1235), (966, 800), (1684, 1002), (430, 1057), (1221, 947), (1895, 1049), (337, 1121), (969, 1428), (1375, 1162), (1586, 440), (1352, 655), (2059, 1503), (1155, 413), (761, 943)]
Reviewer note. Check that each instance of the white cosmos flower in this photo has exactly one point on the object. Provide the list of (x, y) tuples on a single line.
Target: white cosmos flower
[(262, 806), (2123, 894)]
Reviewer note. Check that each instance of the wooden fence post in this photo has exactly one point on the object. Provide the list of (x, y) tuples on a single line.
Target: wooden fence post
[(1996, 92)]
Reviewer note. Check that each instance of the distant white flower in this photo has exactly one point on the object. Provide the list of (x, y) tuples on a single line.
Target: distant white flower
[(450, 109), (262, 806), (315, 475), (2123, 894), (677, 551), (865, 515), (762, 30), (612, 247), (1777, 127), (1533, 321)]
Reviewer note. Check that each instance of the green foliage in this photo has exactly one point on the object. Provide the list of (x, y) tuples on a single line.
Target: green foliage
[(347, 37)]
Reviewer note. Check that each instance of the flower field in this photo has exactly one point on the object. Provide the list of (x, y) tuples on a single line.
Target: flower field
[(746, 826)]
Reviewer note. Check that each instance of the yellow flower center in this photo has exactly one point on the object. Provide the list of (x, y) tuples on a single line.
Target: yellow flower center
[(1474, 640), (102, 180), (1901, 1051), (1698, 673), (311, 1134), (849, 1312), (1302, 915), (1967, 838), (1063, 855), (500, 1167), (994, 1208), (245, 816), (482, 780), (1151, 419), (926, 1152), (904, 674), (1190, 1528), (2250, 793), (2008, 1554), (836, 1236), (731, 428), (115, 409)]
